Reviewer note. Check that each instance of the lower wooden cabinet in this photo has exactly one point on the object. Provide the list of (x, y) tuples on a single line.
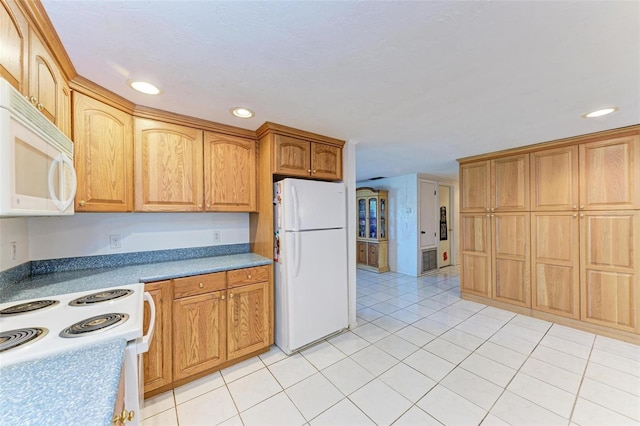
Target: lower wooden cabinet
[(510, 258), (157, 361), (476, 254), (373, 256), (205, 322)]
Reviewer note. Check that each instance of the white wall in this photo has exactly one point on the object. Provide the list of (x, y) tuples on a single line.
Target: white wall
[(87, 234), (349, 178), (13, 230), (402, 221)]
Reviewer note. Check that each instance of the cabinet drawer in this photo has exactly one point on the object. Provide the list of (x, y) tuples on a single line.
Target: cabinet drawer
[(248, 276), (198, 284)]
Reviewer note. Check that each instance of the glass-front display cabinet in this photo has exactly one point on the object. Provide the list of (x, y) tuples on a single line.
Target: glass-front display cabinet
[(372, 238)]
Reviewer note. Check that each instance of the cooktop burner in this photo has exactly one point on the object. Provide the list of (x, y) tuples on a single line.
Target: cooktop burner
[(94, 324), (14, 338), (27, 307), (102, 296)]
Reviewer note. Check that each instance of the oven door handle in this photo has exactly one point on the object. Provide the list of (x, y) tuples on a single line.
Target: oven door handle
[(146, 339)]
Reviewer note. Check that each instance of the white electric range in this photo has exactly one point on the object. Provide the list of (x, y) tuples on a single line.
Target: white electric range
[(36, 328)]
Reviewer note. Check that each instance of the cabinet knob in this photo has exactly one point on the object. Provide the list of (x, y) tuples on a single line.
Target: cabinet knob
[(33, 99), (249, 276), (82, 203), (575, 207), (581, 214), (487, 215), (582, 207), (208, 205), (492, 209), (131, 415), (314, 170), (201, 285), (199, 206), (308, 170), (40, 106), (230, 295), (575, 215), (492, 215), (487, 209), (222, 297)]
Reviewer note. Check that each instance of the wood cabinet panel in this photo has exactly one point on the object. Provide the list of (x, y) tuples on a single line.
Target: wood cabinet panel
[(510, 183), (168, 167), (610, 174), (555, 254), (229, 173), (44, 81), (248, 322), (372, 255), (326, 161), (476, 254), (13, 39), (238, 277), (158, 360), (292, 156), (103, 156), (608, 273), (474, 179), (198, 284), (511, 261), (362, 252), (199, 334), (554, 179)]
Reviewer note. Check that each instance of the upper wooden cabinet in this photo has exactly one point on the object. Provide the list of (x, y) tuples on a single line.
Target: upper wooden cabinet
[(501, 184), (103, 157), (229, 173), (14, 38), (554, 179), (168, 169), (298, 157), (610, 174)]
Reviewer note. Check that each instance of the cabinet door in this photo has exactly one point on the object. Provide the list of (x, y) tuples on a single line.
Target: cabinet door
[(511, 261), (610, 174), (362, 252), (199, 334), (13, 39), (44, 81), (103, 156), (362, 218), (157, 361), (555, 256), (474, 191), (229, 173), (554, 179), (609, 281), (292, 156), (476, 254), (326, 161), (510, 183), (64, 109), (168, 167), (372, 255), (248, 325)]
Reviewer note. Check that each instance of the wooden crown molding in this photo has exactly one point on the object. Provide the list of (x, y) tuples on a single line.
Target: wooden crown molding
[(280, 129), (34, 10), (89, 88), (590, 137)]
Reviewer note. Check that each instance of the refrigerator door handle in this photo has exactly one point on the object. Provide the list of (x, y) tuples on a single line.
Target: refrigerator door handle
[(297, 253), (296, 221)]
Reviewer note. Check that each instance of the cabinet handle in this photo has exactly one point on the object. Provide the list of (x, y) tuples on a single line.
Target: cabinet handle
[(124, 416), (249, 276), (201, 285), (131, 415), (82, 203), (222, 297), (230, 295)]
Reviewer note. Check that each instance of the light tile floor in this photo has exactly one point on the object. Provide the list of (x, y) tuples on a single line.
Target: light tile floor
[(422, 356)]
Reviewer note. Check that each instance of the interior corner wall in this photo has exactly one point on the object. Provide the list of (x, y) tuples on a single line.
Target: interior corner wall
[(349, 173), (402, 220), (13, 230)]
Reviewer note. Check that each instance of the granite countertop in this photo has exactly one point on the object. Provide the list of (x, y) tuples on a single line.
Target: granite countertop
[(90, 279), (78, 387)]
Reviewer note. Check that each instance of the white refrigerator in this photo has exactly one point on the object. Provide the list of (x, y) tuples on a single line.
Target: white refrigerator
[(311, 294)]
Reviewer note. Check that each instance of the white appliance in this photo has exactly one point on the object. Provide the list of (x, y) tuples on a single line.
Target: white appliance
[(86, 318), (311, 290), (37, 177)]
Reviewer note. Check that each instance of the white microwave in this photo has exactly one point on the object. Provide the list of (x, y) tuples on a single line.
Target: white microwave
[(37, 177)]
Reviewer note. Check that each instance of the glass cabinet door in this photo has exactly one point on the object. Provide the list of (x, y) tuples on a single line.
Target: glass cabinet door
[(373, 218), (383, 218), (362, 218)]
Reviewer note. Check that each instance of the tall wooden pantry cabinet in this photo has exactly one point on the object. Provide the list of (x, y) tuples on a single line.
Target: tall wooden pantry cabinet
[(372, 239)]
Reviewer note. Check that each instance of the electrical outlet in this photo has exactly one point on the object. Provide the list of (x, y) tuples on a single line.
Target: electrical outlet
[(114, 241), (13, 250), (216, 236)]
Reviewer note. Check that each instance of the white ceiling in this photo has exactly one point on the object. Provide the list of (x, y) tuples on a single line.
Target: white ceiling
[(415, 84)]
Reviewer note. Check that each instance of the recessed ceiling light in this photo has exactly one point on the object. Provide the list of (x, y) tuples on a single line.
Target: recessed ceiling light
[(600, 112), (241, 112), (144, 87)]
